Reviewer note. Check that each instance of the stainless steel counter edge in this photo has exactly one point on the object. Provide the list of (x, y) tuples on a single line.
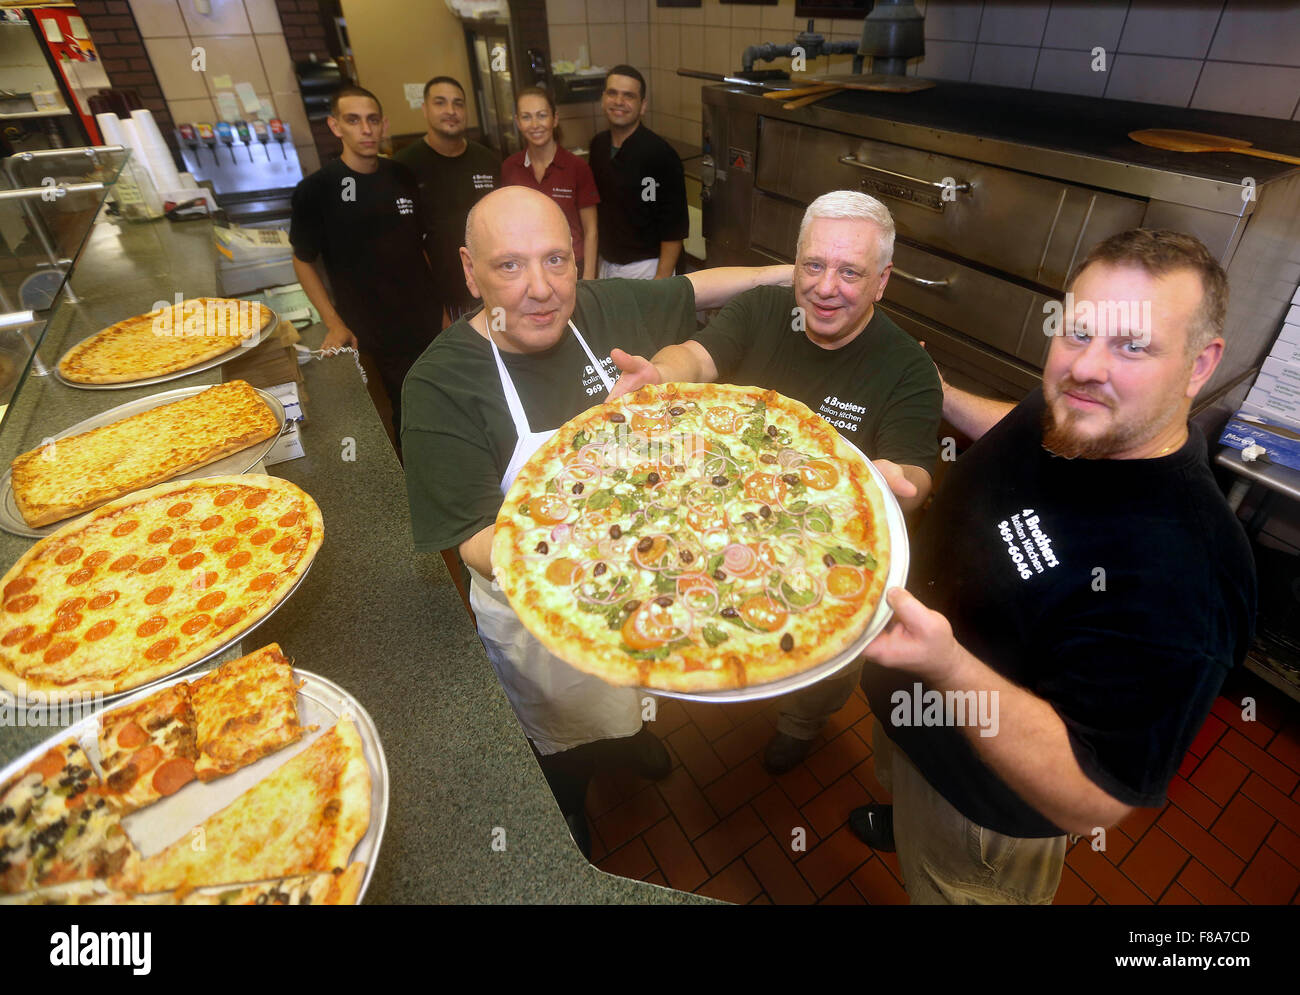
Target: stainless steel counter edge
[(382, 621)]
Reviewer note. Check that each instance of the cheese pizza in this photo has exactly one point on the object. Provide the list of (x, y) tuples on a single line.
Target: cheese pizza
[(164, 341), (694, 537), (151, 583), (69, 476)]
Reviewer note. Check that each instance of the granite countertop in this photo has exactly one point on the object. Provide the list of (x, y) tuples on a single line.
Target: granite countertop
[(383, 622)]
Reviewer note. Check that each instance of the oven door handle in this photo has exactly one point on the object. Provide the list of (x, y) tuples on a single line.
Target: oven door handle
[(921, 281), (848, 160)]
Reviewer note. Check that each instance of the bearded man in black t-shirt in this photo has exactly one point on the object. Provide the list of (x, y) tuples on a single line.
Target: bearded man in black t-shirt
[(1080, 590), (359, 215)]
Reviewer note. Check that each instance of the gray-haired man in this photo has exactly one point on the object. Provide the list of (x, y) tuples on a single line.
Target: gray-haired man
[(823, 342)]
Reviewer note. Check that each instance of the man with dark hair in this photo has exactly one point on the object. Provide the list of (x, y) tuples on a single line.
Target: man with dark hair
[(358, 214), (453, 174), (1081, 591), (643, 218)]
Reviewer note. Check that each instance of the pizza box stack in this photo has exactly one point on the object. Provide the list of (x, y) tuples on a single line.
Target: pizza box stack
[(1270, 416)]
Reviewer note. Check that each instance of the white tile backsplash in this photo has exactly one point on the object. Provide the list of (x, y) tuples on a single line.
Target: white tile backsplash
[(946, 60), (1068, 71), (1258, 32), (1153, 79), (1159, 27), (1004, 65), (1008, 22), (953, 20), (1269, 91), (1085, 24)]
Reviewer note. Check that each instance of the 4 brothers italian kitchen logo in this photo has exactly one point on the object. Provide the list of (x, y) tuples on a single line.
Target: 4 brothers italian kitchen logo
[(1029, 547)]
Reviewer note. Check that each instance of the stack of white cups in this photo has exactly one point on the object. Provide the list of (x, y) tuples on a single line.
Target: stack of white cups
[(116, 131), (154, 150)]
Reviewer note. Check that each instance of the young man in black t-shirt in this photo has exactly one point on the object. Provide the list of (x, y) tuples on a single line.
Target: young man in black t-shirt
[(359, 216), (643, 221), (454, 174), (1080, 590)]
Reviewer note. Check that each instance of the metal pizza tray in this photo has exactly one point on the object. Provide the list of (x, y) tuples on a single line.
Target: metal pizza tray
[(44, 704), (321, 702), (11, 520), (207, 364), (897, 577)]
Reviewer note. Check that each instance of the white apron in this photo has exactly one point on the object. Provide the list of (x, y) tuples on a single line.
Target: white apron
[(558, 706)]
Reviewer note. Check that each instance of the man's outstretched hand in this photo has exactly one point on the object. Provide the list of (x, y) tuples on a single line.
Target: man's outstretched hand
[(637, 372), (893, 474)]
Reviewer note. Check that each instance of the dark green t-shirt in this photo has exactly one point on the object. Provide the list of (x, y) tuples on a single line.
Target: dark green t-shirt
[(881, 390), (449, 187), (457, 435)]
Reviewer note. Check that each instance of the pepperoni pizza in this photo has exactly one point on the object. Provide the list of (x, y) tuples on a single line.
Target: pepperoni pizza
[(151, 583)]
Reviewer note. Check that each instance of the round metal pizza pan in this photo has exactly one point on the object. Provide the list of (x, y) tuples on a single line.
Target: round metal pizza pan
[(897, 577), (14, 701), (11, 519), (250, 343), (321, 702)]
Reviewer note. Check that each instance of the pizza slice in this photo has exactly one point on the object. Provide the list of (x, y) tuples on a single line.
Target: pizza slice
[(322, 888), (306, 816), (56, 826), (339, 887), (245, 710), (148, 750)]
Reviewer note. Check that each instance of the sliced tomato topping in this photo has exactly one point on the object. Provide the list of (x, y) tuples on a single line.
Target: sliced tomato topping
[(763, 613), (548, 509), (648, 627), (721, 419), (845, 582), (819, 474), (766, 488), (562, 571)]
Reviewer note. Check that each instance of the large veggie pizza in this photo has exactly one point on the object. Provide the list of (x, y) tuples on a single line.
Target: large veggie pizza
[(694, 537)]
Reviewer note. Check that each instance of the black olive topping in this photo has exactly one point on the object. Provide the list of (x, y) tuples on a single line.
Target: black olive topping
[(652, 478), (577, 488), (790, 478), (729, 612), (631, 606), (718, 575), (616, 417), (749, 516), (615, 531), (765, 511), (644, 545), (686, 556), (598, 569), (828, 560), (767, 457), (676, 410), (664, 601), (771, 430), (720, 481), (787, 642), (543, 548)]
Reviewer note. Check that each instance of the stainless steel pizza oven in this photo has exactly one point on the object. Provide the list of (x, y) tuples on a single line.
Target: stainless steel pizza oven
[(996, 194)]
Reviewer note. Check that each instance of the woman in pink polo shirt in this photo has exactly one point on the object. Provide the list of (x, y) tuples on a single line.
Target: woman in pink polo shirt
[(547, 166)]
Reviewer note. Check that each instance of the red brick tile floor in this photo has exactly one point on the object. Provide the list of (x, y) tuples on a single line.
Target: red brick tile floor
[(720, 825)]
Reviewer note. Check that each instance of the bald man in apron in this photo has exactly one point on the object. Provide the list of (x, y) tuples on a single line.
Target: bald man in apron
[(484, 397)]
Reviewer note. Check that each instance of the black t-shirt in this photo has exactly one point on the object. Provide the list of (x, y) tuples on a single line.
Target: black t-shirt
[(449, 187), (636, 215), (1120, 591), (457, 434), (366, 228), (881, 390)]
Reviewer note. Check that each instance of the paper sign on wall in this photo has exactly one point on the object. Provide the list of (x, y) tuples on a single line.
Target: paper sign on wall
[(227, 106), (222, 83), (414, 94), (248, 97)]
